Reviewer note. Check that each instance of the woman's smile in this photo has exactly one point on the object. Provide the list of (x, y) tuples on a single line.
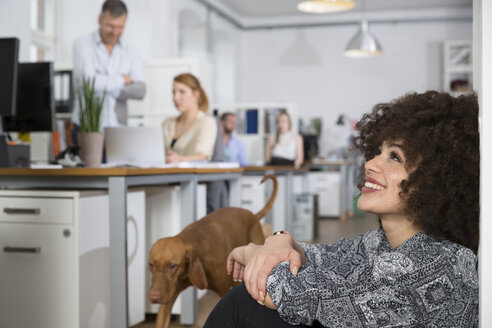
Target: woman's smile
[(372, 185)]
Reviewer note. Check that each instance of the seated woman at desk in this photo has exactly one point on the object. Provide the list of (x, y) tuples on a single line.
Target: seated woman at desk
[(421, 177), (286, 148), (190, 136)]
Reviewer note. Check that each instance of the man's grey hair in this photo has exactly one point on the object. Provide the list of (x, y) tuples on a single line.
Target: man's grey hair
[(115, 8)]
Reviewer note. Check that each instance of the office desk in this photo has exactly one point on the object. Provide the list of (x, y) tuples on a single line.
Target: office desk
[(288, 172), (117, 181)]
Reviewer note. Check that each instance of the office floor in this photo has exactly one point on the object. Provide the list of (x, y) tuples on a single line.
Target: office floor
[(330, 230)]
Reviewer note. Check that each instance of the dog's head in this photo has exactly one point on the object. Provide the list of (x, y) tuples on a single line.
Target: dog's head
[(174, 266)]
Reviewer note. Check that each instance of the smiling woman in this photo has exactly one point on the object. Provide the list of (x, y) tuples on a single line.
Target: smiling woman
[(438, 135), (421, 177)]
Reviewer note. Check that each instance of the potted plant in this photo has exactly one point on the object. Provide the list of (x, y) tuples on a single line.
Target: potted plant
[(90, 138)]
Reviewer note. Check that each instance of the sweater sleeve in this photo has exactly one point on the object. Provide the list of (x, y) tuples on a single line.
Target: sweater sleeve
[(298, 299), (359, 283)]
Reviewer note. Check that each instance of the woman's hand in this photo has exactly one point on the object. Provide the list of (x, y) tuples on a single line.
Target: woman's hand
[(237, 260), (277, 249), (173, 157)]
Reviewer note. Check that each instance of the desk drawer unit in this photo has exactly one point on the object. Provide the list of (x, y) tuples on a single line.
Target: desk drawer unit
[(252, 193), (38, 270), (327, 186), (54, 249), (38, 276)]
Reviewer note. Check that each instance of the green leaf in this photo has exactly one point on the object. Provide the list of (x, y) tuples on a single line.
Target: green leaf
[(90, 105)]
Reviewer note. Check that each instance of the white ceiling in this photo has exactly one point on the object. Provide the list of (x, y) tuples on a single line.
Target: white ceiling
[(260, 8)]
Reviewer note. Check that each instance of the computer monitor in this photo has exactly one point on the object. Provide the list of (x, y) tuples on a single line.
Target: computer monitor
[(35, 99), (9, 52), (311, 147)]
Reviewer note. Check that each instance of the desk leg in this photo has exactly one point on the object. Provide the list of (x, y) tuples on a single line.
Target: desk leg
[(351, 191), (343, 192), (269, 190), (235, 192), (289, 201), (189, 303), (118, 275)]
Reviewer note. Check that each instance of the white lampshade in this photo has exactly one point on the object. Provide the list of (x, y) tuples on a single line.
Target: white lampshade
[(325, 6), (363, 44)]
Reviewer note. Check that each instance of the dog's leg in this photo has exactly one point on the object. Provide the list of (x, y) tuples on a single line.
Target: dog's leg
[(164, 314)]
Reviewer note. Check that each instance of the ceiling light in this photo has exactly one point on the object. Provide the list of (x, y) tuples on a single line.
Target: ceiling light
[(363, 44), (325, 6)]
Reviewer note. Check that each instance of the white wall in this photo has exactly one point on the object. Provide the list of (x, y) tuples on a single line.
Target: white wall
[(209, 37), (15, 22), (147, 27), (411, 62)]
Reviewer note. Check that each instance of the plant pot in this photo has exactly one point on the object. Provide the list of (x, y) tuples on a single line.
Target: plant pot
[(91, 148)]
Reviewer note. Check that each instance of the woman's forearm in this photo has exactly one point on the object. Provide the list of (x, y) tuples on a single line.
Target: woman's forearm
[(194, 157)]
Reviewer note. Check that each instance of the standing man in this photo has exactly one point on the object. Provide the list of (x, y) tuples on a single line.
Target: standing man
[(233, 147), (116, 65)]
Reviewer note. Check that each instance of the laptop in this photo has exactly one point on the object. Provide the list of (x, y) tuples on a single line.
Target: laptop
[(134, 146)]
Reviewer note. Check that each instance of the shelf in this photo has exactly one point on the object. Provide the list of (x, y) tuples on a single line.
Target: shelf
[(63, 116), (460, 69)]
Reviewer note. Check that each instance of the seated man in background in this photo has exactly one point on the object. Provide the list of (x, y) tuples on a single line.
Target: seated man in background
[(233, 147)]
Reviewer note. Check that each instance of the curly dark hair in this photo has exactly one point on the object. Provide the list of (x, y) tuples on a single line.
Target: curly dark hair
[(440, 137)]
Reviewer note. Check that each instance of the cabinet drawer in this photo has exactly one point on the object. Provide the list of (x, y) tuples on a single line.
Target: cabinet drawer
[(39, 289), (253, 204), (36, 210), (322, 179)]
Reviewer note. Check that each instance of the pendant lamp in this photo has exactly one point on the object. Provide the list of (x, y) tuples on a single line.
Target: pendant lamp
[(325, 6), (363, 44)]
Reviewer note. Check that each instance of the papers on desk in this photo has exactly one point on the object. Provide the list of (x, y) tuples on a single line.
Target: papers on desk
[(45, 166), (206, 165), (181, 165)]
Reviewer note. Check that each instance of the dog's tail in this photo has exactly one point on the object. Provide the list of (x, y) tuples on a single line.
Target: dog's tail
[(269, 204)]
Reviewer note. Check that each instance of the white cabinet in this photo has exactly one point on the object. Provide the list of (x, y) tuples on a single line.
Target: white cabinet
[(458, 67), (252, 193), (54, 259), (327, 186), (158, 102), (38, 276), (254, 197)]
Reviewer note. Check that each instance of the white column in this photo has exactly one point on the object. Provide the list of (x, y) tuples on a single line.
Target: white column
[(482, 81)]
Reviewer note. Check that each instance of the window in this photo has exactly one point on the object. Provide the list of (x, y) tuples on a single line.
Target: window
[(42, 32)]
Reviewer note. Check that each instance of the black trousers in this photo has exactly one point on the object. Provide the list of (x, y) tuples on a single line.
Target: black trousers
[(237, 309)]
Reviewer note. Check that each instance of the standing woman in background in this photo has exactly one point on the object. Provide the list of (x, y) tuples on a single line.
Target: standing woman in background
[(287, 147), (191, 135)]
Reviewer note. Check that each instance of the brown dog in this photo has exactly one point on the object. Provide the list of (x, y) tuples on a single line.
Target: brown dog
[(198, 255)]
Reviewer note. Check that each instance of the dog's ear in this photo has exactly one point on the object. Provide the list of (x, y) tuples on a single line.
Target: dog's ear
[(195, 270)]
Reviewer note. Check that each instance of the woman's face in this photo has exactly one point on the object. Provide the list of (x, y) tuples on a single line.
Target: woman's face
[(283, 123), (184, 97), (384, 174)]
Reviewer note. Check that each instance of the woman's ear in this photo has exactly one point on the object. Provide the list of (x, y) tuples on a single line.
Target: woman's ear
[(196, 273)]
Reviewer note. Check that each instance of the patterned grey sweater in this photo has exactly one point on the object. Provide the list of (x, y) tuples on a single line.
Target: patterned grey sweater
[(363, 282)]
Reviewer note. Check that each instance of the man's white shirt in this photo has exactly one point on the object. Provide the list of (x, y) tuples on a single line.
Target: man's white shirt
[(91, 59)]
